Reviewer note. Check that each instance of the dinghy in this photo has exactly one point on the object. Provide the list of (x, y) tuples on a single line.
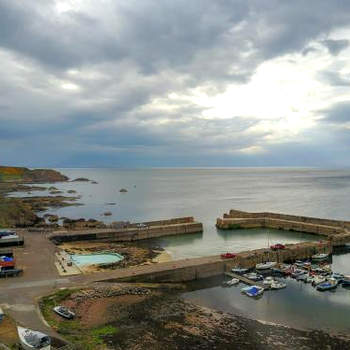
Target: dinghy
[(266, 265), (30, 339), (253, 291), (64, 312)]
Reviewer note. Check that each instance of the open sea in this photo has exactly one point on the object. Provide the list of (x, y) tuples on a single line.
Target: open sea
[(206, 193)]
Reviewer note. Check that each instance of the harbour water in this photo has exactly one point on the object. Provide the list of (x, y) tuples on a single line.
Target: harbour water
[(206, 194), (299, 305)]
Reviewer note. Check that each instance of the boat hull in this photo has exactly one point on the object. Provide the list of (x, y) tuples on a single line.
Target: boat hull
[(24, 344)]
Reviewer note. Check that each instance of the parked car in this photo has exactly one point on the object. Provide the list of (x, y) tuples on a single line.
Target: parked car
[(278, 246), (228, 256)]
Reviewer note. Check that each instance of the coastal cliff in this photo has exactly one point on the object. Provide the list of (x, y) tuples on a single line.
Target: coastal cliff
[(21, 212), (25, 175)]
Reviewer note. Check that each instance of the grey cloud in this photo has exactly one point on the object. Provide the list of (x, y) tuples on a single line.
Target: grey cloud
[(127, 54), (335, 46), (338, 114), (334, 78)]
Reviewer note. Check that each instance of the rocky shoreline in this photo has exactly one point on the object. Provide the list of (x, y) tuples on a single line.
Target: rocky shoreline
[(147, 317)]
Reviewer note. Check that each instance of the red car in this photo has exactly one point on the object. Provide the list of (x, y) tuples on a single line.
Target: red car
[(228, 256), (278, 246)]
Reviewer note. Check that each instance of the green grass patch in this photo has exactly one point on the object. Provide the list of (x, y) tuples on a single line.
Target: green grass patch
[(83, 338)]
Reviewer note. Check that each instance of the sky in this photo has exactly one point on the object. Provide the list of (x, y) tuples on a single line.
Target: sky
[(133, 83)]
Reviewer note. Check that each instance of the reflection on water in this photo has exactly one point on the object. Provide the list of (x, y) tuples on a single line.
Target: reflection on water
[(299, 305), (197, 245)]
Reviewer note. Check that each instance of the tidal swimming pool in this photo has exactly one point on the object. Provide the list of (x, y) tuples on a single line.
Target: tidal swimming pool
[(93, 259)]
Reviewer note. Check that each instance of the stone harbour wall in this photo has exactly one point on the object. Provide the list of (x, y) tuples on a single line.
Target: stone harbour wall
[(129, 234), (239, 219), (197, 268)]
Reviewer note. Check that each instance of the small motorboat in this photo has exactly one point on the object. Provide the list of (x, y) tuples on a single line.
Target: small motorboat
[(297, 272), (266, 265), (320, 256), (239, 270), (302, 277), (253, 276), (345, 281), (331, 283), (64, 312), (232, 282), (278, 285), (30, 339), (268, 281), (318, 280), (253, 291), (309, 279), (338, 276)]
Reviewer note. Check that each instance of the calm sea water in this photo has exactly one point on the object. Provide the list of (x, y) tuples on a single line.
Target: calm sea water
[(206, 194), (299, 305)]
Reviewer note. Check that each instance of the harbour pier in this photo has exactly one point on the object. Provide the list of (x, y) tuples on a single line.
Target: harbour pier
[(132, 232), (245, 279)]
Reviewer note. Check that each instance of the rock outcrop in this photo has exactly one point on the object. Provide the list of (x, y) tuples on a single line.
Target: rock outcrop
[(25, 175)]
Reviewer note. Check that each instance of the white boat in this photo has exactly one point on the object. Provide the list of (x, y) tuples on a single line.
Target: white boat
[(64, 312), (268, 281), (266, 265), (30, 339), (309, 279), (320, 256), (318, 280), (253, 276), (278, 285), (253, 291), (232, 282), (239, 270)]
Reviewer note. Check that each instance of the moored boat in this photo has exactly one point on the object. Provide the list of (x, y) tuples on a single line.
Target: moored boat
[(266, 265), (253, 276), (278, 285), (331, 283), (345, 281), (268, 281), (318, 280), (64, 312), (30, 339), (253, 291), (239, 270), (302, 277), (320, 256)]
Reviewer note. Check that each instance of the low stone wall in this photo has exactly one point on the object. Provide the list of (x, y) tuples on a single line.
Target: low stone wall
[(129, 234)]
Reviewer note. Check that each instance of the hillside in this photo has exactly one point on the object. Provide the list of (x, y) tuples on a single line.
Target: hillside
[(19, 174)]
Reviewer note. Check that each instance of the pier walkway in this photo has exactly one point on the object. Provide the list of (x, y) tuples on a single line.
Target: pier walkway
[(245, 279)]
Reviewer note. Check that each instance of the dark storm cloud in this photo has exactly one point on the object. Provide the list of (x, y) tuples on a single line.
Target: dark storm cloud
[(87, 86)]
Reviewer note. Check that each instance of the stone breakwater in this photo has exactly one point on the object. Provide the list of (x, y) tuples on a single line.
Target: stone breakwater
[(132, 232), (198, 268), (336, 231)]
